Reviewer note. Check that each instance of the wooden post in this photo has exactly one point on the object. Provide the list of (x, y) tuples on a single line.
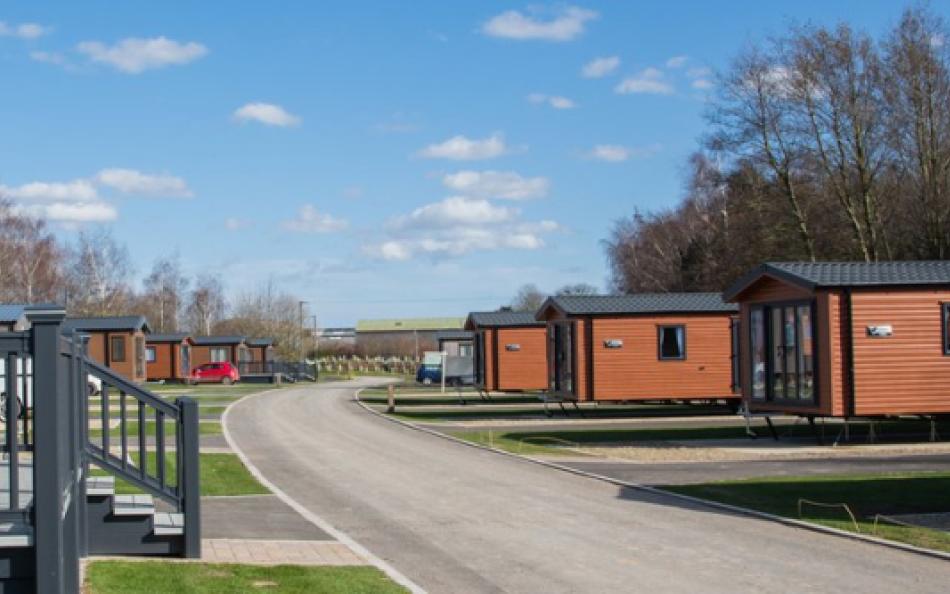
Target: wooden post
[(391, 399)]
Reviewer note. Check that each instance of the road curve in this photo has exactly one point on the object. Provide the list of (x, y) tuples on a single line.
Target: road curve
[(458, 519)]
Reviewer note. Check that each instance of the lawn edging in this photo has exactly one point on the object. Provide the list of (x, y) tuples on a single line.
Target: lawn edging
[(657, 491), (393, 573)]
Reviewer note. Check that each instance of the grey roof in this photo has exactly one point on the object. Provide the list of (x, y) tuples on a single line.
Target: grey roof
[(11, 312), (639, 303), (106, 323), (260, 342), (212, 340), (848, 274), (173, 337), (501, 318), (454, 335)]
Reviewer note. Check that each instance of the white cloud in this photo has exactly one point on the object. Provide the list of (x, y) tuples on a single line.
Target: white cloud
[(702, 84), (699, 72), (456, 226), (309, 220), (48, 57), (135, 55), (616, 153), (461, 148), (649, 81), (555, 101), (79, 190), (677, 61), (456, 210), (80, 212), (235, 224), (266, 113), (937, 40), (566, 24), (507, 185), (130, 181), (23, 30), (600, 67)]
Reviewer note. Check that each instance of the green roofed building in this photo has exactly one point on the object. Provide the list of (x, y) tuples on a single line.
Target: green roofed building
[(403, 336)]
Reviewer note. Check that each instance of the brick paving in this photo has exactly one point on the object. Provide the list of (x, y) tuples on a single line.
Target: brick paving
[(278, 552)]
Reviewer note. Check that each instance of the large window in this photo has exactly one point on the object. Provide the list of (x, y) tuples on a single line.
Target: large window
[(672, 343), (782, 352), (150, 354), (117, 349), (219, 354)]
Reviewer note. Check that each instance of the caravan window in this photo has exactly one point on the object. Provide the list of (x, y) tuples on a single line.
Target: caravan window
[(672, 345)]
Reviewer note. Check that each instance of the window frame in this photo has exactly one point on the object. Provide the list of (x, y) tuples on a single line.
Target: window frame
[(154, 354), (769, 397), (119, 339), (659, 342), (944, 318)]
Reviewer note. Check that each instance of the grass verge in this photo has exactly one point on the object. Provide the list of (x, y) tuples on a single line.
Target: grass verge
[(204, 428), (221, 475), (865, 494), (156, 577)]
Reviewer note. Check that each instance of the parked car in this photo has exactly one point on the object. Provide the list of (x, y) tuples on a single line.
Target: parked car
[(459, 370), (224, 373)]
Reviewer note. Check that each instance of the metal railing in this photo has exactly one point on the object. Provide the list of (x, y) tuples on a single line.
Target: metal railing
[(295, 370), (52, 432), (17, 420), (148, 442)]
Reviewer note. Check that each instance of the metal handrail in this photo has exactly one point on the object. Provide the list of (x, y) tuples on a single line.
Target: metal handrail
[(146, 408)]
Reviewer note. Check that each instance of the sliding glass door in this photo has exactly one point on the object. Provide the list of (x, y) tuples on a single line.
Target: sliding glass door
[(782, 352), (561, 337)]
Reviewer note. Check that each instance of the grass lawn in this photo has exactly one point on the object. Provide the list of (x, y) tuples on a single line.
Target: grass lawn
[(448, 398), (204, 428), (512, 440), (865, 494), (477, 411), (156, 577), (221, 474), (211, 410)]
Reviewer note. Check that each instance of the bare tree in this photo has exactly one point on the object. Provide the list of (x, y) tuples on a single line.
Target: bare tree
[(528, 298), (577, 289), (754, 121), (164, 294), (98, 274), (30, 259), (206, 305), (917, 89)]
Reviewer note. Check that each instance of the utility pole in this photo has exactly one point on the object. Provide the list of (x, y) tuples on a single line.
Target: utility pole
[(299, 343)]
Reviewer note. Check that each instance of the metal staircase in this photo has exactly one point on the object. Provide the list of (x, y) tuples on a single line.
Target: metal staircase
[(114, 473)]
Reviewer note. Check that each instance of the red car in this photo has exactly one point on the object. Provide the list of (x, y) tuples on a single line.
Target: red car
[(224, 373)]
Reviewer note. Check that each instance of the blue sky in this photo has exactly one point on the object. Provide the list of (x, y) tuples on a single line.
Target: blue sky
[(376, 159)]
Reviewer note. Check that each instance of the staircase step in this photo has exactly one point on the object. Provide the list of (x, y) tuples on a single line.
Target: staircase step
[(133, 505), (100, 485), (15, 534), (168, 524)]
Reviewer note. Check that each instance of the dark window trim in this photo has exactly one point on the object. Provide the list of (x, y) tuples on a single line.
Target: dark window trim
[(659, 343), (154, 351), (770, 398), (113, 352), (944, 318)]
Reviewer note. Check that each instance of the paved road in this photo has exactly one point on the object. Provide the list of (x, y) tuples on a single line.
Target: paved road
[(458, 519)]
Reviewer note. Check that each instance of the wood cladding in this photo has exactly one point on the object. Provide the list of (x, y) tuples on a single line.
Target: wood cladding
[(527, 367), (635, 372)]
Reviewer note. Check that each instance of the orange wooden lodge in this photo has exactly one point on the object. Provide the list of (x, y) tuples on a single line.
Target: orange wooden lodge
[(845, 339), (218, 349), (118, 342), (643, 347), (168, 357), (510, 351)]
